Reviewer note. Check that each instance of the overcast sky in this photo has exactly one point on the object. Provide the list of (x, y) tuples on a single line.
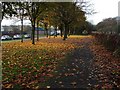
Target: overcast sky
[(104, 9)]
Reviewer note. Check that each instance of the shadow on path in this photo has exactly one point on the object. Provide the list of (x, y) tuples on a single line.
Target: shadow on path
[(76, 72)]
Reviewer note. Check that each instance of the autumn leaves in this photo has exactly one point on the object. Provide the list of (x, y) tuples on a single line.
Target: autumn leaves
[(31, 66), (24, 63)]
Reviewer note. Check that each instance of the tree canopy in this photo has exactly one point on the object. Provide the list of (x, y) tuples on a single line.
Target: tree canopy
[(109, 25), (63, 15)]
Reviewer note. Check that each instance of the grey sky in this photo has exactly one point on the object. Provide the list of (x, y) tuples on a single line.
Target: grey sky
[(104, 9)]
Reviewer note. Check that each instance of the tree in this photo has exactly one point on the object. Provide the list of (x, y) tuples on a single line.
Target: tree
[(42, 18), (61, 27), (6, 10), (37, 30), (20, 10), (89, 27), (65, 13), (54, 20), (108, 25), (0, 19), (34, 9)]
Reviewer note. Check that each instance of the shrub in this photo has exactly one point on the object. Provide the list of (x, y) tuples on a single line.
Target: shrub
[(117, 52), (110, 41)]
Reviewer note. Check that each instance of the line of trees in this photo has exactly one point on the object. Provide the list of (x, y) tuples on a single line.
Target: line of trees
[(64, 15), (109, 25)]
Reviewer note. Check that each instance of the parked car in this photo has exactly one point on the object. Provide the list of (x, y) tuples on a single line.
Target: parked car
[(17, 36), (85, 32), (27, 36), (6, 37), (53, 33)]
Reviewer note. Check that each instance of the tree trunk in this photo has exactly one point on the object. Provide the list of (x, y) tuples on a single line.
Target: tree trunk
[(33, 19), (33, 32), (65, 32), (0, 32), (55, 33), (74, 31), (61, 30), (68, 30), (37, 35), (37, 31), (1, 18), (49, 33), (22, 29), (46, 32)]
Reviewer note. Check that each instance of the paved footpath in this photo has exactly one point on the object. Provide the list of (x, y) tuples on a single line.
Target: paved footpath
[(76, 72)]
